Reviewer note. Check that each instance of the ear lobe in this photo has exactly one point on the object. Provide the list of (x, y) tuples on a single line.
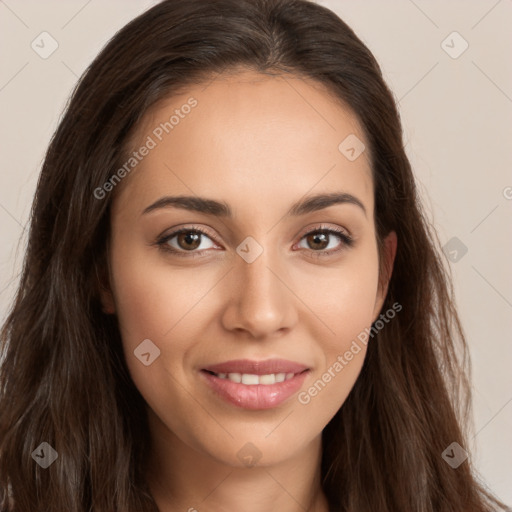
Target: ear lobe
[(390, 244), (107, 301)]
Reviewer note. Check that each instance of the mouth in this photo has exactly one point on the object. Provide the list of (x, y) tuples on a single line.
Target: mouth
[(255, 384)]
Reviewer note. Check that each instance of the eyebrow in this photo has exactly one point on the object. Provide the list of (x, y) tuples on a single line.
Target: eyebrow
[(222, 209)]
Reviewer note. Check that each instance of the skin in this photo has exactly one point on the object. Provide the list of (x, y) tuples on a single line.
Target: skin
[(260, 144)]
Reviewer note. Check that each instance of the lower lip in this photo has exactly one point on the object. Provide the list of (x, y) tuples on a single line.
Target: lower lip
[(255, 396)]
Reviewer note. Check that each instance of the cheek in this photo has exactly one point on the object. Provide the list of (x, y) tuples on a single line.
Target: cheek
[(342, 297), (154, 302), (349, 316), (163, 306)]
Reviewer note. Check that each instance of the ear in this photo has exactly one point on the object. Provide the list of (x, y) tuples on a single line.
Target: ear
[(386, 270), (104, 288), (107, 300)]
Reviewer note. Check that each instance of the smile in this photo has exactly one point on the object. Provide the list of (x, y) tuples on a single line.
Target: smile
[(255, 392)]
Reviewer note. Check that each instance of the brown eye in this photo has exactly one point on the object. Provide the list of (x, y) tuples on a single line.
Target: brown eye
[(326, 241), (318, 240), (189, 240), (186, 241)]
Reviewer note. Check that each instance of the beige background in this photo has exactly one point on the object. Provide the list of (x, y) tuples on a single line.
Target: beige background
[(456, 114)]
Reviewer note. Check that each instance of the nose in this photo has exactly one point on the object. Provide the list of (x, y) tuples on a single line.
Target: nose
[(261, 302)]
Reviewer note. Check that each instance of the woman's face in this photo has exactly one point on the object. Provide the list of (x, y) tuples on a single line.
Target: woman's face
[(262, 281)]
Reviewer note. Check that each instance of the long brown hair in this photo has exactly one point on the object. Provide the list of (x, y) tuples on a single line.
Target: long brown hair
[(63, 378)]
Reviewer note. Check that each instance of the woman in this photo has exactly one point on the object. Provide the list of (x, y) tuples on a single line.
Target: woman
[(231, 299)]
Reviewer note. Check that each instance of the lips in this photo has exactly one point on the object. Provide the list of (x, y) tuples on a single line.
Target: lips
[(255, 384), (257, 367)]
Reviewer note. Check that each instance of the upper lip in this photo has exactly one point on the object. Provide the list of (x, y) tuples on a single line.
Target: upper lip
[(257, 367)]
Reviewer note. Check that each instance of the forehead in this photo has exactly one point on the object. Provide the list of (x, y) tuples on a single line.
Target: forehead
[(248, 136)]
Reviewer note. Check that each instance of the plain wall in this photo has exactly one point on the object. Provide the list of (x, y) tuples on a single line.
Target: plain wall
[(456, 114)]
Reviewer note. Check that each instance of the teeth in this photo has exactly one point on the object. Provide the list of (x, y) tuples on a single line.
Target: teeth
[(251, 379), (248, 378), (266, 379)]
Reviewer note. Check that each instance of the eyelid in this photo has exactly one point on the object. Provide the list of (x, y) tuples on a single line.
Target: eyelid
[(323, 227), (185, 228)]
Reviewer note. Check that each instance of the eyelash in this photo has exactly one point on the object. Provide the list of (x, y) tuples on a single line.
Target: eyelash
[(162, 243)]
